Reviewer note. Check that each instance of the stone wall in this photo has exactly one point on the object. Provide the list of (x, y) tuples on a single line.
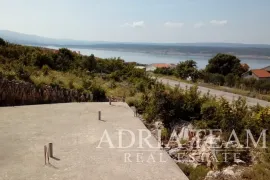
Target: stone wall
[(23, 93)]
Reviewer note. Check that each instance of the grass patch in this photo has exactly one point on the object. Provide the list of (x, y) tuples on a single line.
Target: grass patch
[(257, 172), (198, 173), (62, 79)]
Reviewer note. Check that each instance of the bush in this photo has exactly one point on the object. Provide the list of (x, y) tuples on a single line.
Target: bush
[(44, 59), (112, 85), (258, 172), (132, 101), (140, 86), (98, 93), (206, 77), (22, 73), (11, 75), (230, 80), (262, 85), (86, 84), (198, 173), (45, 69), (115, 76), (216, 79), (249, 83), (2, 42), (164, 134), (187, 69), (71, 84), (165, 71)]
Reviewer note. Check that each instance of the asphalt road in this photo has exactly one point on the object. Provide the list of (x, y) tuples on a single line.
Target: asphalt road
[(229, 96)]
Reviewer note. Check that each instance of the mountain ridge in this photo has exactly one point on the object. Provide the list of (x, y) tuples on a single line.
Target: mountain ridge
[(21, 38)]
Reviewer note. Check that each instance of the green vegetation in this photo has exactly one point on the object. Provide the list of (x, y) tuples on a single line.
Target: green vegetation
[(192, 173), (224, 64), (114, 77), (187, 69), (223, 72), (206, 112), (67, 69), (2, 42), (183, 70)]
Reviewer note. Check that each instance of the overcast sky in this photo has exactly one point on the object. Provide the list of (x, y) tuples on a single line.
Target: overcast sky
[(241, 21)]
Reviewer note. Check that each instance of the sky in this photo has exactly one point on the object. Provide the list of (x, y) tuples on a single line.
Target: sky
[(168, 21)]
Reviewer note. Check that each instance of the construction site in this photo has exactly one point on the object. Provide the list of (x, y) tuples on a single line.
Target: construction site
[(80, 141)]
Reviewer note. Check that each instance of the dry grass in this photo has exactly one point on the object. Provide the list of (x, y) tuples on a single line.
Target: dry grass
[(63, 79)]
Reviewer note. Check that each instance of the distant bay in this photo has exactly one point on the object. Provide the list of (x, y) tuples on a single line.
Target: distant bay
[(148, 58)]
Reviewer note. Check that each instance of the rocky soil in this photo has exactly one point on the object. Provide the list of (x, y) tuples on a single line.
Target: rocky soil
[(200, 151)]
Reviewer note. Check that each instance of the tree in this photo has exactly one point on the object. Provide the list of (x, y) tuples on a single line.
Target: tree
[(44, 59), (90, 62), (2, 42), (64, 60), (224, 64), (187, 69)]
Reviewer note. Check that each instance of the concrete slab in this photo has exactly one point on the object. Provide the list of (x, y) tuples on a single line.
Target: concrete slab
[(75, 131)]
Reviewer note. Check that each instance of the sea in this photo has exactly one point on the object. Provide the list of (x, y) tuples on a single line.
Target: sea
[(149, 58)]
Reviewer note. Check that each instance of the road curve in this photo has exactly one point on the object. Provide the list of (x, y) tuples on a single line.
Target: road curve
[(229, 96)]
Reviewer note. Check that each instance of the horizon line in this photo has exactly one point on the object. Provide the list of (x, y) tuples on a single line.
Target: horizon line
[(134, 42)]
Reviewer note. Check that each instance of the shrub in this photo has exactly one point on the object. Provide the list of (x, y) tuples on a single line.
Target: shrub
[(45, 69), (230, 80), (11, 75), (257, 172), (86, 83), (187, 69), (140, 86), (217, 79), (98, 93), (112, 85), (115, 76), (44, 59), (71, 84), (262, 85), (2, 42), (132, 101), (249, 83), (164, 133), (198, 173), (22, 73), (165, 71)]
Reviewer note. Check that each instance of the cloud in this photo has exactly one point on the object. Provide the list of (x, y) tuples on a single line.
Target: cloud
[(220, 23), (199, 25), (174, 24), (134, 24)]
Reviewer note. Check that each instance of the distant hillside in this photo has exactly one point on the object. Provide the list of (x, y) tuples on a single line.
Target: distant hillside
[(208, 49), (178, 50), (20, 38), (16, 37)]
